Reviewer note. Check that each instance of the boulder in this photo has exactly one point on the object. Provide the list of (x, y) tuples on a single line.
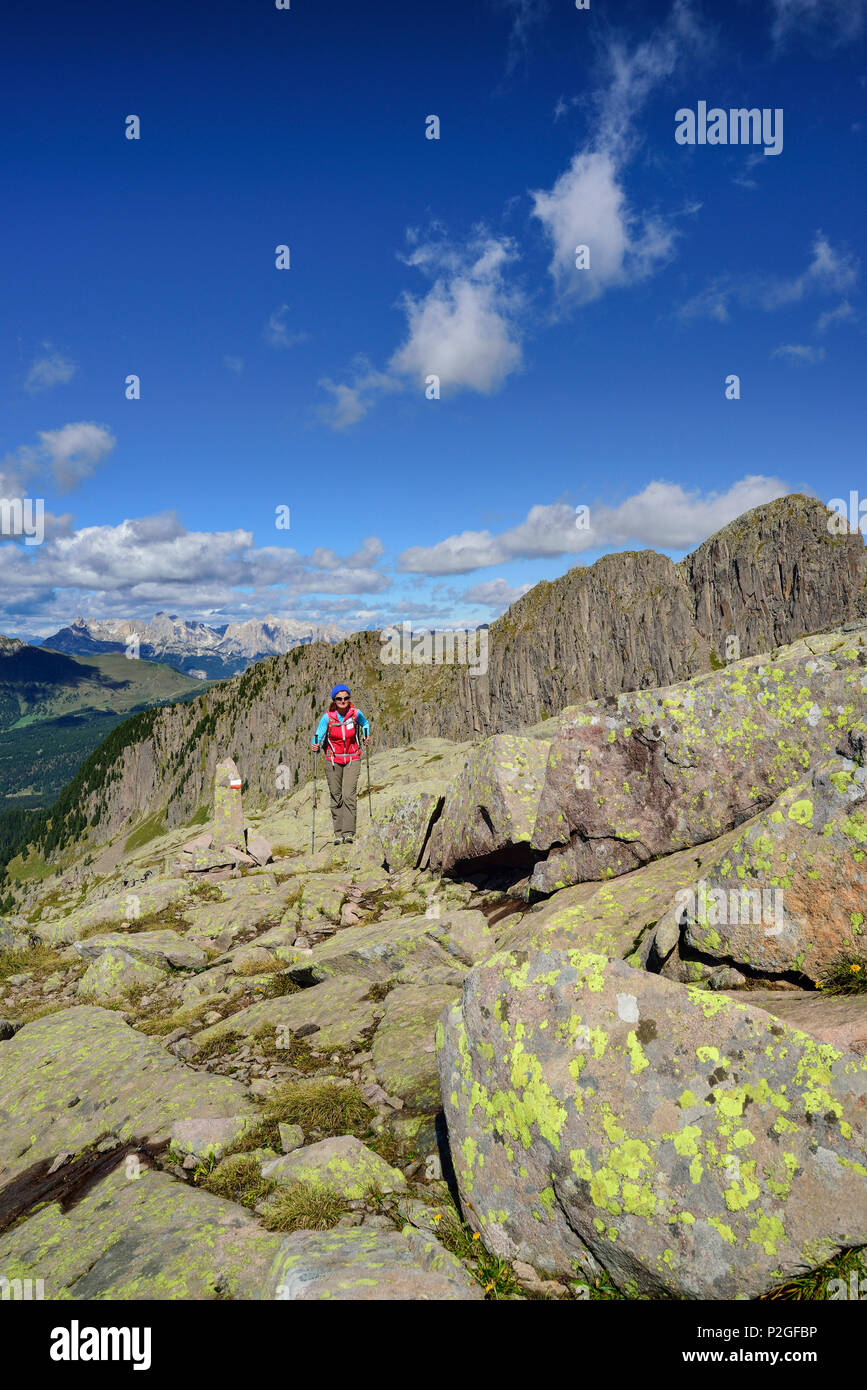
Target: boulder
[(164, 949), (404, 1055), (343, 1164), (115, 974), (839, 1020), (260, 849), (436, 948), (148, 1238), (491, 807), (364, 1264), (219, 925), (790, 895), (228, 808), (210, 1137), (143, 900), (618, 916), (647, 773), (693, 1146), (399, 832), (74, 1076), (339, 1008)]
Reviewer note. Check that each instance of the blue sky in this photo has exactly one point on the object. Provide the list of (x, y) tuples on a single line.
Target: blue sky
[(411, 257)]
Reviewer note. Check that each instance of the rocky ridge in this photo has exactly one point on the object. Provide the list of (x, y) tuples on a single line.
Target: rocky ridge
[(632, 620)]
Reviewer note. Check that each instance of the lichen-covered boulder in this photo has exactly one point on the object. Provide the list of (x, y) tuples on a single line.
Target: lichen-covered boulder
[(491, 806), (695, 1147), (74, 1076), (617, 916), (837, 1019), (404, 1055), (790, 896), (219, 925), (398, 833), (140, 1234), (365, 1265), (340, 1008), (115, 973), (436, 947), (650, 772), (130, 906), (322, 897), (343, 1164), (164, 949)]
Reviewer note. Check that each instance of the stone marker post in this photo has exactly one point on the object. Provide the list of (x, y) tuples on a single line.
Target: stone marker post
[(228, 811)]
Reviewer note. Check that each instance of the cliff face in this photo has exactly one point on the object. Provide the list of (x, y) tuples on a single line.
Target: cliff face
[(630, 621)]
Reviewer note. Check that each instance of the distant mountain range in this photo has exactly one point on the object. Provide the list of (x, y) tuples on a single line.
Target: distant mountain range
[(200, 651), (55, 709)]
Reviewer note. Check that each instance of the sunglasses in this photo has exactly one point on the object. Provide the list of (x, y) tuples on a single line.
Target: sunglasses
[(342, 699)]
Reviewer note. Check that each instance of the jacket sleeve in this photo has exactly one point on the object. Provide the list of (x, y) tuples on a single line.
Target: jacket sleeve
[(365, 727), (321, 729)]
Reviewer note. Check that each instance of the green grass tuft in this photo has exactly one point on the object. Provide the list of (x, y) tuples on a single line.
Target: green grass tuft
[(319, 1105), (847, 975), (301, 1206)]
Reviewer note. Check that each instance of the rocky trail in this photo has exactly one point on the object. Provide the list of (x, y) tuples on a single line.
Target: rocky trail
[(578, 1015)]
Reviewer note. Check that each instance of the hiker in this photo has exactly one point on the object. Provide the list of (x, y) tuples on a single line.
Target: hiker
[(338, 731)]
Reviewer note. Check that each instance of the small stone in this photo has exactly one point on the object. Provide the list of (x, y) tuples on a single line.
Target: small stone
[(176, 1036), (184, 1048), (262, 1087), (306, 1030), (291, 1137), (212, 1016), (58, 1163), (190, 1162), (433, 1168)]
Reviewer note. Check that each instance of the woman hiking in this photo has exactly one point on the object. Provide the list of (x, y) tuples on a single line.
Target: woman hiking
[(338, 731)]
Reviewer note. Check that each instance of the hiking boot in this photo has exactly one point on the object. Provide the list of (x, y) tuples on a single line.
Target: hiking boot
[(347, 839)]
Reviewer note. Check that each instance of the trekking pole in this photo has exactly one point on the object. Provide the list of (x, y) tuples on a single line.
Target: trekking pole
[(369, 799), (315, 774)]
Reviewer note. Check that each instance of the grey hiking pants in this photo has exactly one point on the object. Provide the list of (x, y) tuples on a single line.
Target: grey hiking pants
[(343, 785)]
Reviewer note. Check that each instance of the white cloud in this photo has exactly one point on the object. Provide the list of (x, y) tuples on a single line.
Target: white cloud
[(353, 400), (841, 20), (664, 515), (828, 272), (74, 451), (70, 453), (463, 330), (799, 352), (156, 562), (525, 14), (277, 333), (51, 370), (234, 364), (588, 205), (842, 312), (496, 594)]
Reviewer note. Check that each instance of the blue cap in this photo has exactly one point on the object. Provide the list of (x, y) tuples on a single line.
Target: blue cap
[(335, 690)]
